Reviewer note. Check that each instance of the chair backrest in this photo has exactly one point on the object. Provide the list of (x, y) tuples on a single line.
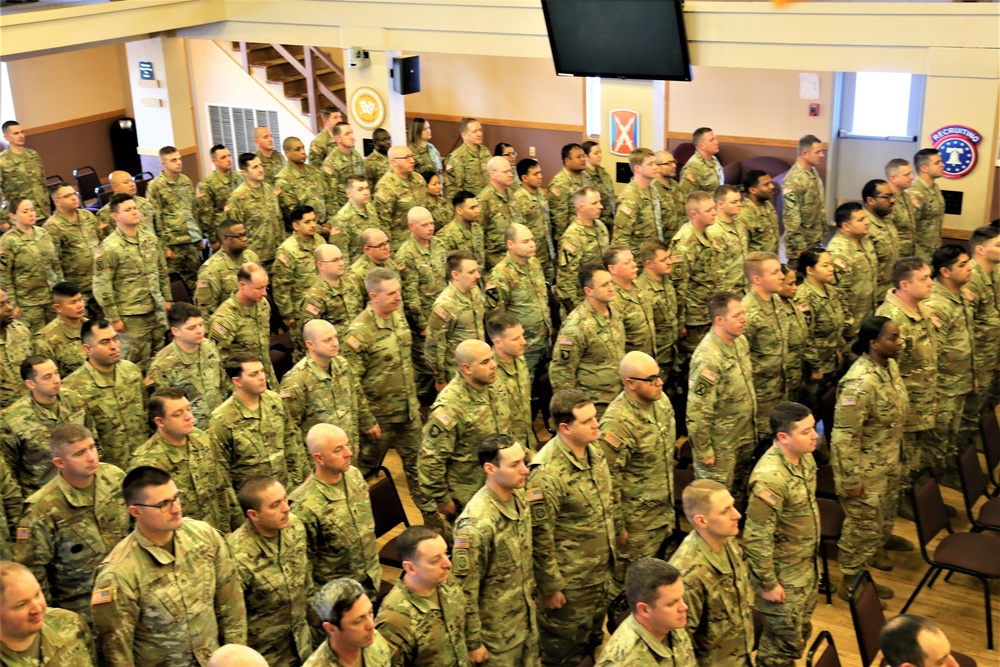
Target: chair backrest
[(866, 612), (104, 194), (387, 508), (972, 476), (990, 429), (87, 182), (142, 182), (928, 510), (617, 612), (828, 657), (682, 153)]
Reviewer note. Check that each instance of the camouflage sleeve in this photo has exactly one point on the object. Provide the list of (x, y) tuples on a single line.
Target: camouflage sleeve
[(546, 498), (496, 293), (436, 448), (204, 211), (410, 281), (7, 281), (295, 449), (208, 294), (230, 609), (395, 629), (316, 155), (385, 202), (470, 559), (454, 177), (762, 514), (702, 395), (436, 343), (356, 352), (792, 218), (153, 197), (294, 398), (686, 181), (810, 351), (852, 410), (559, 211), (165, 290), (679, 280), (843, 287), (366, 418), (566, 279), (287, 198), (695, 596), (35, 547), (283, 272), (624, 224), (105, 265), (566, 356), (115, 608), (11, 496), (222, 333), (235, 210), (220, 437)]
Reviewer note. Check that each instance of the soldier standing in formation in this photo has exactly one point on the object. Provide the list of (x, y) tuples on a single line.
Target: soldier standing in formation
[(464, 231), (758, 216), (21, 170), (377, 162), (599, 177), (465, 168), (217, 276), (243, 321), (254, 204), (513, 376), (397, 193), (927, 200), (804, 200), (301, 184), (583, 241), (213, 192), (321, 144), (173, 198), (703, 171), (457, 315), (696, 272), (498, 209), (535, 209), (28, 266), (346, 616), (59, 340), (76, 235), (272, 160), (564, 186)]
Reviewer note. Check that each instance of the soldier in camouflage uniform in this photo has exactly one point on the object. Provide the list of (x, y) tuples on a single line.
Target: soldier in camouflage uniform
[(639, 215), (493, 562), (376, 251), (758, 218), (638, 432), (464, 231), (865, 444), (167, 594), (252, 431), (583, 242), (673, 210), (301, 184), (517, 286), (534, 207), (927, 202), (59, 638), (826, 322), (855, 265), (721, 403), (357, 215), (717, 587), (799, 352), (575, 528), (341, 161), (696, 269), (28, 266), (377, 162), (879, 202), (272, 160), (498, 209), (732, 237), (599, 177), (177, 229), (192, 460), (703, 171), (113, 391), (25, 426), (653, 634), (467, 409), (803, 199), (76, 234), (213, 192), (11, 500), (465, 168), (321, 144), (321, 388), (15, 346), (217, 276), (254, 204), (657, 290), (397, 192), (563, 187), (334, 507), (439, 205), (457, 315), (243, 321), (513, 376), (591, 342), (781, 539), (332, 297), (427, 156), (273, 565), (70, 524), (346, 616), (294, 270), (636, 311), (21, 171), (122, 182), (985, 286), (131, 283), (900, 176)]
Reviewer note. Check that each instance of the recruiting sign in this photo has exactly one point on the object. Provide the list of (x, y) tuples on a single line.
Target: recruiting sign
[(624, 131), (958, 147)]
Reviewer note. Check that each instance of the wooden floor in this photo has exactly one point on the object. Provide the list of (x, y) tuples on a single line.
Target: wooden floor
[(956, 606)]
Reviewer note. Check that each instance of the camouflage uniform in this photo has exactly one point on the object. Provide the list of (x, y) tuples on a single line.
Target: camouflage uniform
[(514, 384), (277, 579), (803, 209), (211, 197), (578, 245), (902, 218), (638, 218), (117, 405), (601, 181), (258, 442), (217, 280), (697, 276), (767, 333), (441, 210), (359, 270), (720, 601), (347, 225), (700, 173), (456, 235), (425, 632), (637, 317), (465, 169), (587, 352), (885, 240), (147, 216), (799, 352), (200, 374), (519, 289), (337, 305), (426, 158), (733, 238), (293, 272), (574, 525), (865, 445), (928, 216), (379, 654), (11, 500), (75, 243), (16, 345), (855, 271), (340, 529), (638, 442), (28, 272), (177, 229), (257, 209), (393, 197), (171, 608), (22, 175), (497, 211), (272, 164), (535, 211), (781, 541), (313, 396), (455, 317), (827, 322), (236, 327), (760, 226), (421, 272), (24, 435), (673, 207), (338, 166), (376, 166), (460, 418), (986, 338), (492, 561), (667, 316), (66, 532), (64, 641), (722, 412), (200, 472), (301, 186), (320, 147), (132, 285), (560, 195), (635, 646)]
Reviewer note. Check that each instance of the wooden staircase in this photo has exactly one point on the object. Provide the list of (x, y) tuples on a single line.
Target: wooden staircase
[(306, 73)]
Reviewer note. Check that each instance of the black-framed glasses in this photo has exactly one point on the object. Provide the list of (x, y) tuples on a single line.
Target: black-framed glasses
[(381, 246), (405, 157), (884, 196), (235, 236), (164, 505), (666, 164), (652, 379)]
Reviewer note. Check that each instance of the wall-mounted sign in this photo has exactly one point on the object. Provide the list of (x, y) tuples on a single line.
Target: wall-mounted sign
[(145, 71), (367, 108), (958, 147), (624, 131)]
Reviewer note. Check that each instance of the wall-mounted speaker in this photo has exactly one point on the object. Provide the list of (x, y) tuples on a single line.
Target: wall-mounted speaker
[(406, 75)]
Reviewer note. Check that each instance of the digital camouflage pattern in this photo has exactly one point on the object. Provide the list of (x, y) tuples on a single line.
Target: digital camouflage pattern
[(638, 217), (314, 395), (320, 147), (799, 350), (579, 245), (393, 197), (22, 175), (337, 166), (497, 211), (258, 210), (424, 632), (200, 374), (236, 327), (855, 273), (217, 280), (634, 645), (803, 209), (65, 642), (520, 289), (986, 326), (587, 352), (304, 185), (421, 272), (455, 317), (767, 333), (16, 345), (293, 272), (927, 202), (465, 169), (760, 225)]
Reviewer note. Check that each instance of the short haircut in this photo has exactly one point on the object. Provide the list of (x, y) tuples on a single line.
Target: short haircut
[(488, 449), (29, 363), (226, 227), (139, 479), (753, 265), (408, 542), (893, 166), (636, 156), (697, 497), (234, 364), (718, 304), (644, 579), (723, 190), (288, 142), (564, 402), (299, 212), (810, 258), (215, 149), (328, 111), (845, 211), (498, 322), (380, 131), (525, 165), (807, 142), (9, 568), (455, 259), (945, 257), (65, 290), (904, 267), (785, 415), (461, 197), (698, 196), (649, 248), (251, 490), (871, 188), (585, 274), (7, 124), (118, 199), (899, 639), (463, 125), (923, 157), (752, 178), (567, 149), (982, 236), (580, 196), (167, 150), (88, 329), (352, 179), (338, 129), (158, 401), (181, 312), (64, 435), (55, 187), (336, 598), (610, 254), (699, 134), (869, 331), (245, 159), (510, 233), (377, 276)]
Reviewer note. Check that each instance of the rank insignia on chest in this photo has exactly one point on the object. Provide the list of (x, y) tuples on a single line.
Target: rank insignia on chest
[(534, 495), (848, 400)]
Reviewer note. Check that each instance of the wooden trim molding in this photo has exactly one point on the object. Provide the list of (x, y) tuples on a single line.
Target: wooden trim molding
[(107, 115), (531, 125), (751, 141), (956, 234)]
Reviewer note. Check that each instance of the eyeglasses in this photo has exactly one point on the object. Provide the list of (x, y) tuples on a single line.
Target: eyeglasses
[(381, 246), (331, 261), (652, 379), (884, 197), (405, 157), (68, 195), (164, 505), (666, 164), (235, 236)]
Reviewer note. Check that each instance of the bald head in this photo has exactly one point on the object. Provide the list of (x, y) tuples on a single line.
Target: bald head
[(236, 655), (471, 351), (637, 364), (121, 181), (326, 252), (324, 436), (497, 163), (401, 161), (398, 152), (373, 236), (418, 215), (314, 330)]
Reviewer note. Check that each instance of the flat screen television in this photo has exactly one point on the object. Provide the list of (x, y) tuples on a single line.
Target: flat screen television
[(620, 39)]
